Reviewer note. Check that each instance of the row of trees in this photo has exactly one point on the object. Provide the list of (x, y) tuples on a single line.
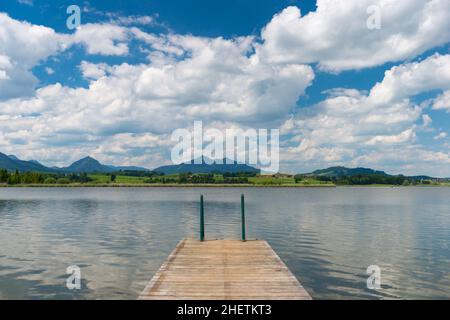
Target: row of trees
[(17, 177), (206, 178), (13, 178), (368, 179)]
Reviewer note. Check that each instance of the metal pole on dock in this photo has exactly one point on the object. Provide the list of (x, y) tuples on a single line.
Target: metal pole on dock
[(202, 219), (243, 217)]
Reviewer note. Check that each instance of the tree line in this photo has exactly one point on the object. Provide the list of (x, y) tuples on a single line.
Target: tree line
[(368, 179), (201, 178), (17, 177)]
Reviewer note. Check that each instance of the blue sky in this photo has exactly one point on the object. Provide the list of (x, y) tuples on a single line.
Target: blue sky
[(340, 92)]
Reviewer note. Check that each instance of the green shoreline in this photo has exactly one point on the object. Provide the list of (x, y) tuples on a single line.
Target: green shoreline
[(157, 185), (176, 185)]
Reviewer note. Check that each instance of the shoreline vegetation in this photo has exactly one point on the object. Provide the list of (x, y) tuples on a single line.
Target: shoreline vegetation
[(210, 185), (129, 178), (177, 185), (153, 179)]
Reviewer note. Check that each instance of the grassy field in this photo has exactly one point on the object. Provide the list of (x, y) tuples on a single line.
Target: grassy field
[(102, 178)]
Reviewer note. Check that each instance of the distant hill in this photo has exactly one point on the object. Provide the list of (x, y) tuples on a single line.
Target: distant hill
[(7, 162), (339, 172), (87, 165), (13, 163), (204, 167), (343, 171)]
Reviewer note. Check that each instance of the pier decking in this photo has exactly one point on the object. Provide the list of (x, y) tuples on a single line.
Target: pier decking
[(224, 270)]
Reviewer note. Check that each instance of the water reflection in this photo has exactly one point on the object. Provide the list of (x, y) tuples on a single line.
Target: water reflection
[(327, 237)]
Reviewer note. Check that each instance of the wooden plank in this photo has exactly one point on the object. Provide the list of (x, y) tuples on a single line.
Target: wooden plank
[(224, 270)]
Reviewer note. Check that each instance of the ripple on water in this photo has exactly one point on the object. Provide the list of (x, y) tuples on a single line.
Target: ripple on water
[(327, 237)]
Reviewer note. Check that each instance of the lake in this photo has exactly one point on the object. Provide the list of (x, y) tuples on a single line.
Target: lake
[(328, 237)]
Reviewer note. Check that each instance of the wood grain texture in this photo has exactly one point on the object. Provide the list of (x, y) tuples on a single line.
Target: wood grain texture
[(224, 270)]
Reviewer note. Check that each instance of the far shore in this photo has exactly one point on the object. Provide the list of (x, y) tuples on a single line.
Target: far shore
[(177, 185), (168, 185)]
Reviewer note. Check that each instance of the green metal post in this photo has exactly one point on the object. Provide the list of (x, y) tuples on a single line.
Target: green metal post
[(202, 219), (243, 217)]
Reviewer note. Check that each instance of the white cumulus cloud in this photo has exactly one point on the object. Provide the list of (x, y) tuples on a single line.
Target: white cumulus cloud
[(343, 128), (105, 39), (22, 46), (336, 34), (443, 101)]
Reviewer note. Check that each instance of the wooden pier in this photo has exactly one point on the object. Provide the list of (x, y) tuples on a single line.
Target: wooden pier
[(224, 270)]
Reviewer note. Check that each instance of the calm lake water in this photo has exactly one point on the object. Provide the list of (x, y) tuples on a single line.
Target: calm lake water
[(328, 237)]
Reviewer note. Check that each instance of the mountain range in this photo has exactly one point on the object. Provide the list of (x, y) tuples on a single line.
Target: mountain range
[(89, 165), (207, 166), (11, 162)]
